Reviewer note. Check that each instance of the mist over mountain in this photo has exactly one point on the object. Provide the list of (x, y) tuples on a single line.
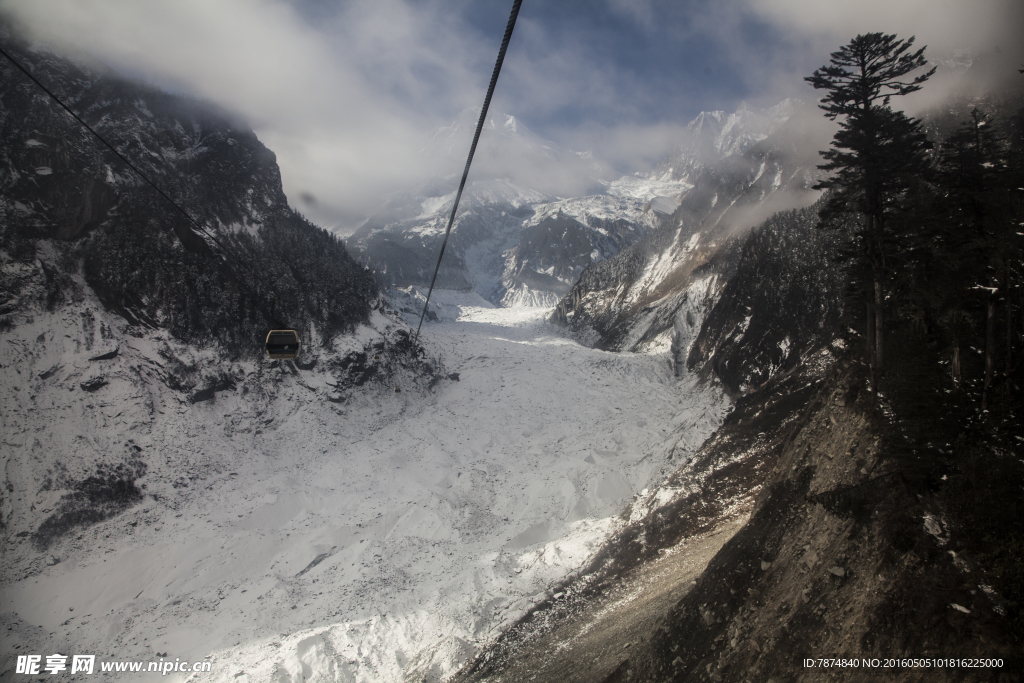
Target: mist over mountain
[(737, 170), (519, 240), (515, 239), (509, 150)]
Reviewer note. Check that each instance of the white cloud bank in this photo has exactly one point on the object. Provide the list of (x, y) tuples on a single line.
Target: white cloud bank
[(349, 99), (346, 105), (989, 29)]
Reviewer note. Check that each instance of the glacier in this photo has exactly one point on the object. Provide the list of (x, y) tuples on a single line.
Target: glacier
[(282, 536)]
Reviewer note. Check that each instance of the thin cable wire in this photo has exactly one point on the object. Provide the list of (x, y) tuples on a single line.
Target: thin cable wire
[(129, 164), (472, 150)]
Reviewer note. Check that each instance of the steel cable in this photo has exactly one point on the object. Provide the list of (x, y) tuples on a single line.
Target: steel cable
[(472, 150)]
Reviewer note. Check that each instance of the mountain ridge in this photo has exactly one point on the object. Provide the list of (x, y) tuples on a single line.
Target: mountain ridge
[(60, 184), (635, 302), (505, 265)]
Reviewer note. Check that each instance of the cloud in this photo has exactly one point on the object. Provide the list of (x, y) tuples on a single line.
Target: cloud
[(348, 94), (944, 25), (986, 32), (626, 147), (640, 11), (549, 71), (345, 105), (349, 101)]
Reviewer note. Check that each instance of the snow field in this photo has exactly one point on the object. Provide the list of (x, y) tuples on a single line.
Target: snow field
[(382, 539)]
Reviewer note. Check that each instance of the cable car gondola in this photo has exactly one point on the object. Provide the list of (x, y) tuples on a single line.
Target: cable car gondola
[(283, 344)]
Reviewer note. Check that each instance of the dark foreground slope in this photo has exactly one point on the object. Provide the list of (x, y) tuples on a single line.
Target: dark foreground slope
[(71, 213), (835, 561)]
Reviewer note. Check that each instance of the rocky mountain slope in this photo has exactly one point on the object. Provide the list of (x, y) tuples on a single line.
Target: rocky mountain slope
[(785, 291), (739, 169), (534, 215), (73, 215)]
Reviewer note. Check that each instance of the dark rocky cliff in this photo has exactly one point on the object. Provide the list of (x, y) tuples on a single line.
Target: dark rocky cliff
[(785, 293), (71, 213)]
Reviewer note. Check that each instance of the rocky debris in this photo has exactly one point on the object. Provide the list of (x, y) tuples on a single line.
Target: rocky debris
[(221, 382), (109, 490), (94, 384), (53, 370), (109, 355)]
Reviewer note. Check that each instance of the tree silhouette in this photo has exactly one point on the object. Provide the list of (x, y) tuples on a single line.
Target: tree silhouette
[(874, 156)]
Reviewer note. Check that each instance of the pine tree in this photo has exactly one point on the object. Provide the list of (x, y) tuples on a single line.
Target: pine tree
[(874, 155), (976, 180)]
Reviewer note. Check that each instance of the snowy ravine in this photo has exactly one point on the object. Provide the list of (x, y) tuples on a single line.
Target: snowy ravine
[(288, 538)]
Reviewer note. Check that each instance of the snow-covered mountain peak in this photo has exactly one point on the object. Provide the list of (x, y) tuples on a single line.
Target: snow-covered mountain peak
[(749, 125), (511, 124), (706, 119), (785, 108), (716, 135), (509, 149), (455, 138), (482, 192)]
